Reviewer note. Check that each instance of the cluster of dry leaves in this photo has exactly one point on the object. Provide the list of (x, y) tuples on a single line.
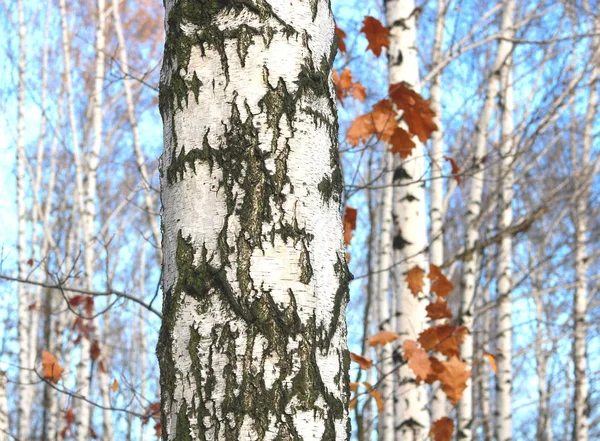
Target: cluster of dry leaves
[(422, 355)]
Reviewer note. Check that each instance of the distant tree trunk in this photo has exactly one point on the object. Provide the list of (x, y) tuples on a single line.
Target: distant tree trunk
[(4, 428), (253, 340), (470, 270), (503, 265), (384, 362), (583, 177), (149, 203), (412, 419), (89, 218), (436, 257), (26, 390), (543, 427)]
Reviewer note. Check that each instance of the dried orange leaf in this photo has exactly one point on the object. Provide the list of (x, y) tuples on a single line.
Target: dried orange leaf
[(378, 399), (417, 359), (415, 280), (492, 359), (363, 362), (440, 284), (51, 369), (341, 35), (439, 310), (383, 338), (115, 385), (359, 92), (360, 130), (455, 168), (377, 35), (353, 403), (384, 120), (354, 386), (417, 112), (442, 429), (350, 215), (443, 338), (401, 143), (454, 379)]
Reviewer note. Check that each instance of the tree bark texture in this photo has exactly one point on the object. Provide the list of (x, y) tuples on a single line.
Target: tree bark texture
[(253, 340)]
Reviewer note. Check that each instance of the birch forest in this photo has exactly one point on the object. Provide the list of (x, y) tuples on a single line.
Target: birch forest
[(299, 220)]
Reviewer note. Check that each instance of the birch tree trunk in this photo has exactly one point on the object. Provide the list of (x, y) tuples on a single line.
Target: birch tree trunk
[(4, 427), (24, 324), (89, 217), (410, 241), (384, 361), (583, 177), (253, 340), (506, 179), (438, 405), (469, 275)]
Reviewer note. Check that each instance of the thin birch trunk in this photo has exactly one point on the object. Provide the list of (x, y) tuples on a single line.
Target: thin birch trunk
[(412, 419), (88, 218), (504, 259), (543, 427), (583, 177), (4, 423), (253, 340), (149, 203), (384, 361), (436, 257), (26, 390)]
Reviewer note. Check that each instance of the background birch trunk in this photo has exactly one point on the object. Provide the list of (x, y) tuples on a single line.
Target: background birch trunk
[(4, 426), (583, 177), (504, 259), (470, 270), (385, 363), (253, 340), (24, 322), (410, 240), (436, 209)]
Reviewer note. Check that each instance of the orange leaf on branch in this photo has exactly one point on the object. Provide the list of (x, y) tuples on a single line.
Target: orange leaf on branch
[(454, 379), (492, 360), (51, 369), (442, 429), (455, 168), (417, 112), (383, 338), (415, 280), (440, 284), (353, 386), (418, 360), (384, 120), (443, 338), (341, 35), (114, 386), (401, 143), (438, 310), (375, 394), (359, 92), (363, 362), (377, 35), (436, 369)]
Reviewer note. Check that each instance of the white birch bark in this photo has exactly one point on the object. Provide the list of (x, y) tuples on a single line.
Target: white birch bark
[(4, 422), (436, 257), (412, 419), (149, 203), (583, 176), (543, 426), (253, 340), (504, 259), (384, 363), (24, 323), (88, 218)]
